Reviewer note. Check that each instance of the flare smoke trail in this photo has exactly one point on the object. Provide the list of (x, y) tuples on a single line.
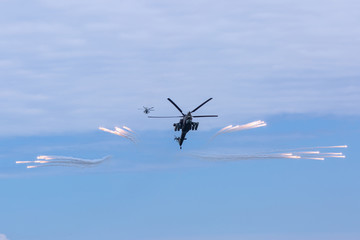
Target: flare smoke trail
[(313, 148), (50, 161), (281, 154), (123, 132), (127, 128), (236, 128)]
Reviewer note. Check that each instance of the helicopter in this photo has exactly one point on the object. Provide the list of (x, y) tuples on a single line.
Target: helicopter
[(147, 110), (185, 124)]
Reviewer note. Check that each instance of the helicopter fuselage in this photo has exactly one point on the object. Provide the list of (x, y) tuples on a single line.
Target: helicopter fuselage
[(185, 125)]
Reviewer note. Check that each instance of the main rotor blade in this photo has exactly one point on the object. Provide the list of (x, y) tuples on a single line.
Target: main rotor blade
[(165, 116), (176, 106), (199, 116), (201, 105)]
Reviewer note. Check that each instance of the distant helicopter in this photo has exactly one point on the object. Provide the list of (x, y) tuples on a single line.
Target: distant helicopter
[(185, 124), (147, 110)]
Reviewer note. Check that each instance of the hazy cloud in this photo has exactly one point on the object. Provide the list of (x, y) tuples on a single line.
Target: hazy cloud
[(80, 64), (3, 237)]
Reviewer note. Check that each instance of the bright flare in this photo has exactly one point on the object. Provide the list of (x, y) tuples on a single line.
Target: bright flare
[(121, 132), (231, 128), (127, 128)]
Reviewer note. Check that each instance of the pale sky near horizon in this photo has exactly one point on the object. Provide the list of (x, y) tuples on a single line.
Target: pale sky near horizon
[(68, 67)]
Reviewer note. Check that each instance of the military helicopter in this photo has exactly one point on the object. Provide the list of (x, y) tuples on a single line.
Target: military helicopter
[(147, 110), (185, 124)]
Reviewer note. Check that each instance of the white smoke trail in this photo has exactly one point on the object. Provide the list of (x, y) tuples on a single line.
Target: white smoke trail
[(333, 153), (314, 158), (335, 156), (127, 128), (312, 155), (121, 131), (341, 146), (231, 128), (57, 165), (72, 158), (126, 132), (63, 161), (44, 158), (36, 161), (243, 157), (225, 128), (310, 148), (309, 152)]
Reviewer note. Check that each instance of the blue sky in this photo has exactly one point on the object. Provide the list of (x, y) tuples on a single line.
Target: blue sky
[(151, 191), (68, 67)]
